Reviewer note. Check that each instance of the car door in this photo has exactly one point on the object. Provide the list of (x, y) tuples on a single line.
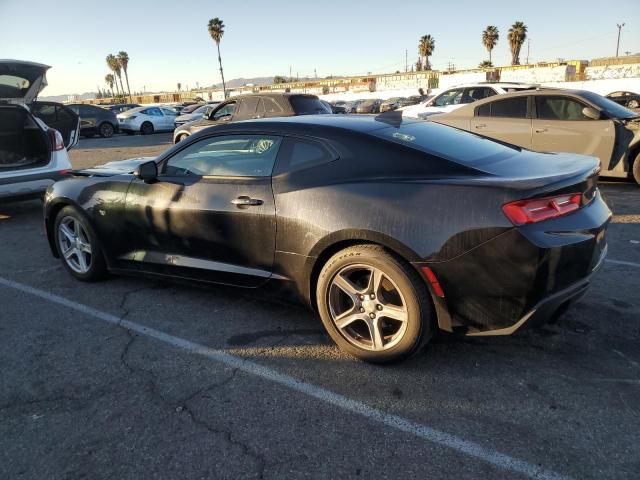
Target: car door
[(62, 118), (560, 126), (211, 214), (169, 118), (155, 116), (507, 120), (247, 108)]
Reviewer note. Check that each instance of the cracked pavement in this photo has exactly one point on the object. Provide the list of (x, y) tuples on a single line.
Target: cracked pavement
[(86, 399)]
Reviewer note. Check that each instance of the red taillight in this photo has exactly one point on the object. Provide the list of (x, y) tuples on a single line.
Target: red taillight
[(57, 142), (539, 209), (437, 289)]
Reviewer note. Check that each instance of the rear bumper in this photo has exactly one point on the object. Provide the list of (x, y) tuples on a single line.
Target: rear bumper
[(29, 185), (548, 307), (523, 275)]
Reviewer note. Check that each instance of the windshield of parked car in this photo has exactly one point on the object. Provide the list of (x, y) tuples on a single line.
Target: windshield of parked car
[(609, 107), (446, 142), (203, 109)]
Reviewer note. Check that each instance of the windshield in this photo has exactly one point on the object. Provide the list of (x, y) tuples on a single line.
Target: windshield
[(202, 109), (611, 108), (447, 142)]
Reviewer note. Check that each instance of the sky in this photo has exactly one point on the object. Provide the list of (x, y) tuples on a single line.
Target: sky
[(167, 40)]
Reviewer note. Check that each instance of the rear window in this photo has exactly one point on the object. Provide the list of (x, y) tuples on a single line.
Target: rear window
[(13, 87), (447, 142), (308, 106)]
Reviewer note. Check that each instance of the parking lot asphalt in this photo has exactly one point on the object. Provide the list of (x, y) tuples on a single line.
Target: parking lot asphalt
[(132, 378)]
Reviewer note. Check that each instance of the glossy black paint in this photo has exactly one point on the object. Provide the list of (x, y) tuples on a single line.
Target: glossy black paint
[(431, 211)]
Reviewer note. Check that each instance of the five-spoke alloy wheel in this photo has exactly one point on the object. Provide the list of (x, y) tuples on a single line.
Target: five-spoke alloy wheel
[(77, 245), (374, 305)]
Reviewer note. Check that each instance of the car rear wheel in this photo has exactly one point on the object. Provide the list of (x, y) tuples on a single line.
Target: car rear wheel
[(633, 104), (181, 137), (78, 246), (373, 305), (635, 169), (106, 130), (146, 128)]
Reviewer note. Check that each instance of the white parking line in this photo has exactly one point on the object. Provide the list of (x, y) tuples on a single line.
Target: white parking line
[(622, 262), (424, 432)]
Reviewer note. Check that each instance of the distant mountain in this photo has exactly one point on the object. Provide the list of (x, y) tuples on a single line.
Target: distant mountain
[(64, 98)]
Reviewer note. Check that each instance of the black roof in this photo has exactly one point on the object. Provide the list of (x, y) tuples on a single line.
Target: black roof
[(300, 123)]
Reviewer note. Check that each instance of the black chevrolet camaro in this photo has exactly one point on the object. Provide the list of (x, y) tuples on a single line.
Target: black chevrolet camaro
[(391, 229)]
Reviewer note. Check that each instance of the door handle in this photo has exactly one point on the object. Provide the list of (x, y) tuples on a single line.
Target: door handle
[(244, 201), (541, 130), (481, 125)]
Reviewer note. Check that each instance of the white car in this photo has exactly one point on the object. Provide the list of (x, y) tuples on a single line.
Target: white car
[(460, 95), (33, 154), (147, 120)]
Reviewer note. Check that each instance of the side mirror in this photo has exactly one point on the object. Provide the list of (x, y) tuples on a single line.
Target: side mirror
[(591, 113), (147, 172)]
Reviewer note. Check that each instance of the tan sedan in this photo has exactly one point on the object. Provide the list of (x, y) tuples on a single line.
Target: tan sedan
[(551, 120)]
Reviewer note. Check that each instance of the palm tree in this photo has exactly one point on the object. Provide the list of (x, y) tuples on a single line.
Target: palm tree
[(216, 30), (112, 63), (485, 64), (490, 38), (179, 86), (109, 80), (517, 35), (123, 61), (426, 46)]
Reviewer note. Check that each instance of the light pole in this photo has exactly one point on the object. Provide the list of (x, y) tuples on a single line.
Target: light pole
[(618, 44)]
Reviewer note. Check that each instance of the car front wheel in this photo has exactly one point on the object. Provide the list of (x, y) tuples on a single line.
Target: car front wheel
[(78, 246), (373, 305), (635, 169)]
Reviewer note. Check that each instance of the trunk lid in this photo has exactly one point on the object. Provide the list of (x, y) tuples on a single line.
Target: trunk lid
[(20, 81)]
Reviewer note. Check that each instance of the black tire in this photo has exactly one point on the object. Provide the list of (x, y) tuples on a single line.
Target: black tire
[(633, 104), (181, 137), (97, 267), (420, 324), (146, 128), (635, 169), (106, 130)]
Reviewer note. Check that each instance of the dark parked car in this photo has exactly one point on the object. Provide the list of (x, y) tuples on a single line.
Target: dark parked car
[(334, 108), (122, 107), (390, 229), (391, 104), (369, 106), (95, 120), (626, 99), (245, 107), (413, 100)]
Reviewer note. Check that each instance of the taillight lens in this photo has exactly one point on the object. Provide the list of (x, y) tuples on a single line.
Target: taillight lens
[(536, 210), (57, 142)]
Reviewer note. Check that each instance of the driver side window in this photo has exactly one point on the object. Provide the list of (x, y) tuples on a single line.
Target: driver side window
[(226, 156), (225, 111)]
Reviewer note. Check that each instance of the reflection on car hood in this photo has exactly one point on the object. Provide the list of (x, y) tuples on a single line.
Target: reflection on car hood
[(118, 167)]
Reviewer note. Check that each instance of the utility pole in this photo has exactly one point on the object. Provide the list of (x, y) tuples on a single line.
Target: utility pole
[(528, 42), (406, 60), (289, 72), (618, 44), (315, 73)]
